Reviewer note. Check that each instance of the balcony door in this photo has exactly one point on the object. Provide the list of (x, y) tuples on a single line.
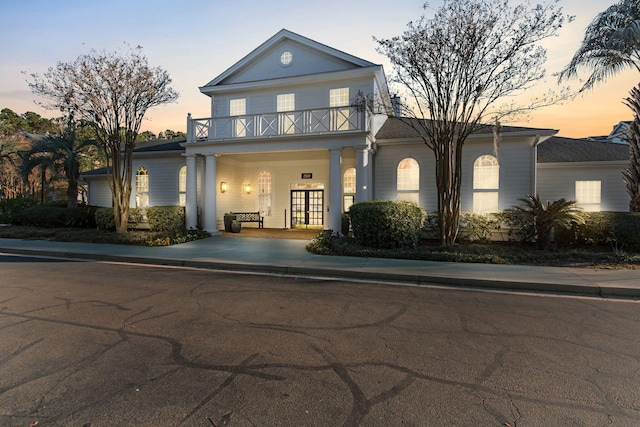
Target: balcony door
[(307, 207)]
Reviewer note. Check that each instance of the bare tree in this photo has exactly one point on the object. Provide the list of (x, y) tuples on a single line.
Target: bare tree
[(10, 182), (457, 69), (112, 92)]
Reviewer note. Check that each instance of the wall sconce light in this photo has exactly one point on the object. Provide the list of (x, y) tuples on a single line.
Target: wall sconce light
[(247, 188), (224, 187)]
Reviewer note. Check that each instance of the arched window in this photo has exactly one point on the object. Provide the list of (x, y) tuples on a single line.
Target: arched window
[(486, 183), (348, 188), (142, 188), (409, 180), (182, 186), (264, 193)]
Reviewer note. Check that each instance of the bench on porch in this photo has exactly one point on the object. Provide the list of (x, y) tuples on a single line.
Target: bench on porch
[(250, 217)]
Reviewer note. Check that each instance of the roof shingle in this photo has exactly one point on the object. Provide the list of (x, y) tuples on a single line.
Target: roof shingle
[(560, 149)]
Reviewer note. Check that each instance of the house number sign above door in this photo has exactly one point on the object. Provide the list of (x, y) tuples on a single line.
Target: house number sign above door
[(306, 175)]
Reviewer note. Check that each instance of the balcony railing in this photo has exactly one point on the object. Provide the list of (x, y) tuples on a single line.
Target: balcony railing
[(303, 122)]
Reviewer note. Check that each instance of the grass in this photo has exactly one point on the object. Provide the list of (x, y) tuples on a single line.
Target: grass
[(487, 253), (140, 238)]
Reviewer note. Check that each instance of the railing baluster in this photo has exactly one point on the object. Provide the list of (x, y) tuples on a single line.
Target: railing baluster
[(301, 122)]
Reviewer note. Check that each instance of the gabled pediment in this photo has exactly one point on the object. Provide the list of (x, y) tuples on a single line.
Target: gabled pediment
[(285, 55)]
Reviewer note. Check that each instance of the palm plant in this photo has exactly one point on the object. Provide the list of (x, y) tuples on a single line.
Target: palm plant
[(632, 173), (541, 218), (610, 45), (63, 151)]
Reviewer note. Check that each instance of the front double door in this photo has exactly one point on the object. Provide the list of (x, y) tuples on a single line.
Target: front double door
[(307, 207)]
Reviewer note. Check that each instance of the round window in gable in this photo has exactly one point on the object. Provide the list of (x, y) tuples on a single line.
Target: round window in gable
[(286, 58)]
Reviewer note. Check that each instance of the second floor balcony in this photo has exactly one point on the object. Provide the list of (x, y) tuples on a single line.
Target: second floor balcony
[(338, 120)]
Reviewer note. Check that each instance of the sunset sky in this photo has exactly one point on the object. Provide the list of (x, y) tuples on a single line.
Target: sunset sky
[(197, 40)]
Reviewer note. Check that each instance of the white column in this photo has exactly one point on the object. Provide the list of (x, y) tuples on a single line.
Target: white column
[(191, 208), (209, 184), (335, 190), (363, 174)]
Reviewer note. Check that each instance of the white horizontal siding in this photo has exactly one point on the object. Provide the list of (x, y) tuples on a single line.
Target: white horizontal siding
[(515, 161), (163, 179), (305, 61), (558, 180), (307, 96), (99, 193), (515, 171)]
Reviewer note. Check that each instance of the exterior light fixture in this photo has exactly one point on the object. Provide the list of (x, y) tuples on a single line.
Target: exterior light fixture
[(224, 187), (247, 188)]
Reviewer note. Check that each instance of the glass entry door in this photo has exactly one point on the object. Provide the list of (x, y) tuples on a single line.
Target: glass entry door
[(307, 207)]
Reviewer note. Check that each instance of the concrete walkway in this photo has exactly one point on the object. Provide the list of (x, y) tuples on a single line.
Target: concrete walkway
[(289, 257)]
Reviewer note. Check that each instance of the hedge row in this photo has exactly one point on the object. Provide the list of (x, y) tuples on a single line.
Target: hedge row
[(11, 209), (53, 215), (619, 230), (159, 218), (387, 224)]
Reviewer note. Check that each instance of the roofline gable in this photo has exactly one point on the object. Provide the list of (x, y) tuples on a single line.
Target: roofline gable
[(277, 38), (288, 81)]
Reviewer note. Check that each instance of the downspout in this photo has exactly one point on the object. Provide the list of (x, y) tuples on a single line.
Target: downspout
[(534, 157)]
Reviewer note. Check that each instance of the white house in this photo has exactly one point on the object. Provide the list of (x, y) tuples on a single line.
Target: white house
[(586, 170), (287, 138)]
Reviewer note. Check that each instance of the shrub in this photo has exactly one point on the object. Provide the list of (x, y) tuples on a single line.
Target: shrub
[(136, 217), (324, 242), (104, 218), (166, 218), (387, 224), (477, 227), (178, 238), (53, 216), (44, 216), (81, 217), (621, 230), (10, 209), (430, 228)]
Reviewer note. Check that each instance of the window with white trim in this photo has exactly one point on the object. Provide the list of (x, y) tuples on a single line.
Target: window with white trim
[(408, 185), (339, 97), (589, 195), (286, 58), (264, 192), (142, 188), (348, 189), (286, 102), (486, 184), (238, 107), (182, 186)]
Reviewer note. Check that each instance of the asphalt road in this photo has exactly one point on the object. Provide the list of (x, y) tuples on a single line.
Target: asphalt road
[(98, 344)]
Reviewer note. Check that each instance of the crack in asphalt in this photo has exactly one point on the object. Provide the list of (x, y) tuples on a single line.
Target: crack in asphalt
[(361, 404)]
